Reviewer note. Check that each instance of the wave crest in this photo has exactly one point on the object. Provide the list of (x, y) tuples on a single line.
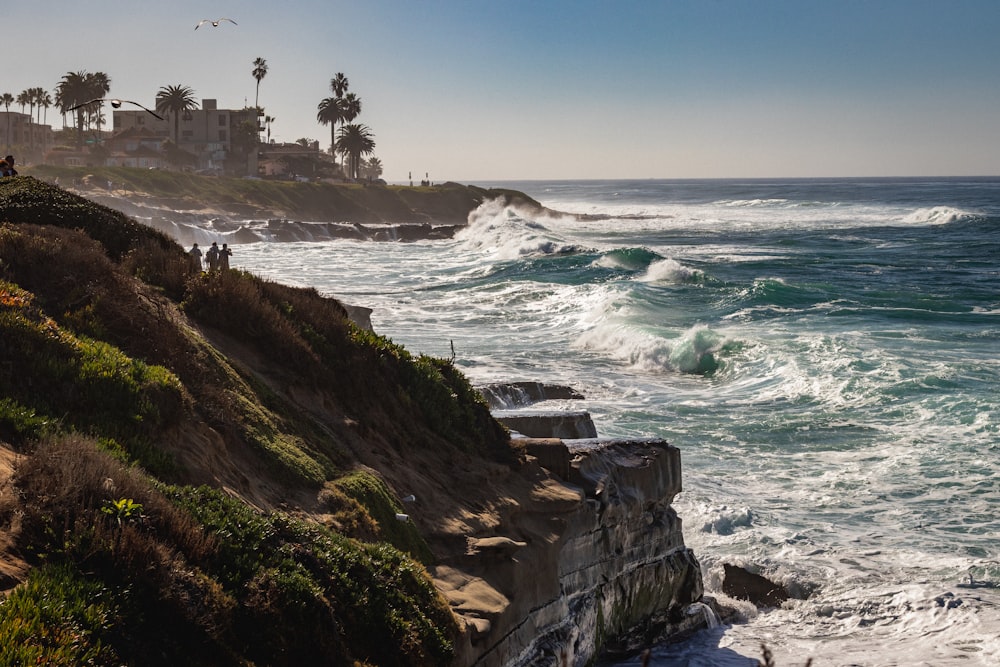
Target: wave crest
[(937, 215), (670, 271), (501, 230), (695, 352)]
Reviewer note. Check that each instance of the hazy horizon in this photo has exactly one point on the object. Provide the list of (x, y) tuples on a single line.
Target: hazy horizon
[(511, 91)]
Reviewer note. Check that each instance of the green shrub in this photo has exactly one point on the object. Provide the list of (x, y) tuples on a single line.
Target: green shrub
[(58, 618), (374, 496), (384, 606), (19, 424), (27, 200), (94, 386)]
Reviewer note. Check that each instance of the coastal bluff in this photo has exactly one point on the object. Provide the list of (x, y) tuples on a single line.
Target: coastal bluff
[(274, 483), (397, 212)]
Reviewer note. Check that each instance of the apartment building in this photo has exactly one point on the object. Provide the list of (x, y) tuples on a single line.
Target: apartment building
[(23, 137), (215, 137)]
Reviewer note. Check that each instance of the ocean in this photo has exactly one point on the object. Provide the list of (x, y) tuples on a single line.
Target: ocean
[(824, 352)]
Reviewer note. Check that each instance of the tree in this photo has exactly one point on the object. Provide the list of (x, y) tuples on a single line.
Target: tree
[(242, 143), (259, 72), (175, 100), (6, 100), (100, 84), (29, 97), (267, 123), (339, 85), (350, 106), (371, 168), (353, 142), (44, 102), (79, 88), (329, 113)]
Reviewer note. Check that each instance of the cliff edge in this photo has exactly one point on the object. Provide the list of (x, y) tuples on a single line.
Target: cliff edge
[(270, 483)]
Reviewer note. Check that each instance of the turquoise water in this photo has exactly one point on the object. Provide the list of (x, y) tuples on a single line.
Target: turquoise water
[(823, 352)]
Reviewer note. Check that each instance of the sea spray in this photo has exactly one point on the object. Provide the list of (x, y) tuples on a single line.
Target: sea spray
[(497, 230), (670, 271), (694, 351)]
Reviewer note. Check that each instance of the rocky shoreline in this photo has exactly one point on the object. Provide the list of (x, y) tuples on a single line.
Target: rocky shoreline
[(372, 213)]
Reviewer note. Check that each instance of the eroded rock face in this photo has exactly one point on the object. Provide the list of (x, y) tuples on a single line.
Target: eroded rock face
[(512, 395), (543, 424), (606, 556)]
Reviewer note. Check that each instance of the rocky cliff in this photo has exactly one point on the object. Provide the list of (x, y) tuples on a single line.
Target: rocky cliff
[(604, 568), (545, 549)]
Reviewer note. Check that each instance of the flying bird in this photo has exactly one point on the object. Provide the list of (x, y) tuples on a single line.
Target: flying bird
[(116, 104), (215, 23)]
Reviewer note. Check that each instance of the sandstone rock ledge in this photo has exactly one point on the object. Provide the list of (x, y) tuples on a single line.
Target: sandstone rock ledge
[(607, 563)]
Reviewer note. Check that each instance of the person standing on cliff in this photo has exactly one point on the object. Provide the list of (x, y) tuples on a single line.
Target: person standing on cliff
[(213, 257), (224, 254), (195, 253)]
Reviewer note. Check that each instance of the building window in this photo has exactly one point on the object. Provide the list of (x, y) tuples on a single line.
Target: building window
[(187, 134), (222, 135), (222, 121)]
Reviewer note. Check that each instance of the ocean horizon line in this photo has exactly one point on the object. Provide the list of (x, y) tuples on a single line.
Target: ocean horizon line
[(712, 179)]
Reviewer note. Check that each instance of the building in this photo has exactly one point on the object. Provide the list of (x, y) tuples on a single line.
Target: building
[(136, 147), (22, 137), (284, 160), (219, 139)]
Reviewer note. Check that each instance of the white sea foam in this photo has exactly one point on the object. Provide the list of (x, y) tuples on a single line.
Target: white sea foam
[(669, 271), (694, 351), (937, 215), (498, 230)]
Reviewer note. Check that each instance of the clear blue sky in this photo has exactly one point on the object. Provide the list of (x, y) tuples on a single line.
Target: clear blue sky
[(470, 90)]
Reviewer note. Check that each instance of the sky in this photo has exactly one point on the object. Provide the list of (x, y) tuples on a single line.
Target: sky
[(476, 91)]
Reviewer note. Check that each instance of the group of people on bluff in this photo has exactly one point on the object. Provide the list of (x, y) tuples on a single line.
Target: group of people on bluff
[(217, 258)]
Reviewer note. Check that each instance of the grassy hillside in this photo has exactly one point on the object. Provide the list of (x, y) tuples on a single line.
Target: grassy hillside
[(208, 466), (448, 203)]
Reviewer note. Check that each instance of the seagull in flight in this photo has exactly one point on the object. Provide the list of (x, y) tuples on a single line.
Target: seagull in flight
[(116, 104), (215, 23)]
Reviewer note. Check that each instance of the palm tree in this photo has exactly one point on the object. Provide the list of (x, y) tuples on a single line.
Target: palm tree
[(372, 168), (339, 85), (350, 107), (78, 88), (175, 100), (27, 97), (329, 112), (259, 72), (6, 100), (71, 92), (267, 123), (355, 141), (100, 84), (44, 102)]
